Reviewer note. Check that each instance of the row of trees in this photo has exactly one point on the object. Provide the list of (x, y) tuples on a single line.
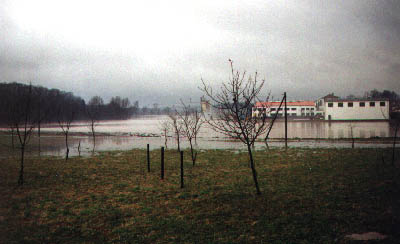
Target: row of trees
[(53, 103), (392, 96), (187, 123), (233, 103), (27, 107)]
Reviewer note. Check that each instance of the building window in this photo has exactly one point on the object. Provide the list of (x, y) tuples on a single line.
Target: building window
[(312, 108), (329, 105), (307, 108), (294, 109), (372, 104), (294, 114), (280, 109), (340, 105), (273, 109), (287, 109), (350, 105), (382, 104), (362, 104)]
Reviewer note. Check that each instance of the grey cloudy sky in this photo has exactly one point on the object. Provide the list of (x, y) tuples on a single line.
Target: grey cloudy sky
[(157, 51)]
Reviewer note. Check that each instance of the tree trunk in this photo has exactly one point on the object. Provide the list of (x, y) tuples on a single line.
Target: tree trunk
[(166, 139), (394, 142), (66, 144), (177, 139), (39, 137), (253, 169), (21, 171), (192, 152), (94, 138), (12, 139)]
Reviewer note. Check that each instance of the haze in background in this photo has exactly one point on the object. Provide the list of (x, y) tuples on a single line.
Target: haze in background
[(157, 51)]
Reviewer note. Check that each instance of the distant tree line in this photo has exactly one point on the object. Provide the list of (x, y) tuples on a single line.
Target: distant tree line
[(46, 104), (53, 104), (392, 96)]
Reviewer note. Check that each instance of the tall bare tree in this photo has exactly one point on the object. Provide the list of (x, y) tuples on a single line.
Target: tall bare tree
[(165, 127), (66, 115), (234, 102), (191, 124), (23, 119), (93, 110), (176, 126)]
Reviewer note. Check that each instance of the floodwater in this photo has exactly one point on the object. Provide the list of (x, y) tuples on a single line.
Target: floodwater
[(138, 132), (150, 125)]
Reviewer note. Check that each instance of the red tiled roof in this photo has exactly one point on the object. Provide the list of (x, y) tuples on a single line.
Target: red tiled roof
[(276, 104)]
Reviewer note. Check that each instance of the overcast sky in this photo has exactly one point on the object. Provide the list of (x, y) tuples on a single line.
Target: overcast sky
[(158, 51)]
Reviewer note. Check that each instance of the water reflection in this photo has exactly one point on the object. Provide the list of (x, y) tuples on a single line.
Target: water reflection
[(150, 125), (134, 134), (333, 130)]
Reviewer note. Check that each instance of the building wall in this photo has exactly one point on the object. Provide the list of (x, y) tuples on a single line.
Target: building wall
[(292, 111), (356, 112)]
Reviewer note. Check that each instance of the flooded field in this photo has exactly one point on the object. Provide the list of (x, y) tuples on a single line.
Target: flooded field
[(150, 125), (137, 133)]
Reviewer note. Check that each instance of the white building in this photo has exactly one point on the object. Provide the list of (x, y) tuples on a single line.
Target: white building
[(334, 108), (293, 109)]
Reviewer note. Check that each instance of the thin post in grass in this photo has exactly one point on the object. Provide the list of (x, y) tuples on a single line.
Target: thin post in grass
[(162, 163), (284, 94), (79, 148), (182, 185), (148, 158), (394, 142)]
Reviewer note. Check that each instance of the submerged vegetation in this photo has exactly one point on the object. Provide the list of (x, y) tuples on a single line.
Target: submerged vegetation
[(309, 195)]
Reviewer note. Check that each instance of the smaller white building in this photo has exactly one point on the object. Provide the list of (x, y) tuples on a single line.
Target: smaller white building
[(334, 108), (293, 109)]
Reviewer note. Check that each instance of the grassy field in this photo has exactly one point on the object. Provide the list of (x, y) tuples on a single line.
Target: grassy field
[(308, 196)]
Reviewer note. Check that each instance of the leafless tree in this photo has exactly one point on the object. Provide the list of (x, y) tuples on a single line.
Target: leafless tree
[(191, 124), (23, 119), (65, 117), (176, 126), (234, 102), (93, 112), (165, 127)]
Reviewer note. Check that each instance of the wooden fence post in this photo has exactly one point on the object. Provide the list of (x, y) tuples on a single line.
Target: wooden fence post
[(162, 163), (285, 121), (182, 185), (148, 157)]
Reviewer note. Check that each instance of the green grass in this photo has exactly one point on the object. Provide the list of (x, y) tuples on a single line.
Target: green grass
[(308, 196)]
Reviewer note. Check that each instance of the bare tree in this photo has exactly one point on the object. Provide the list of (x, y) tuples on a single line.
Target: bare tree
[(165, 127), (191, 124), (23, 119), (176, 126), (65, 117), (234, 102), (93, 112)]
